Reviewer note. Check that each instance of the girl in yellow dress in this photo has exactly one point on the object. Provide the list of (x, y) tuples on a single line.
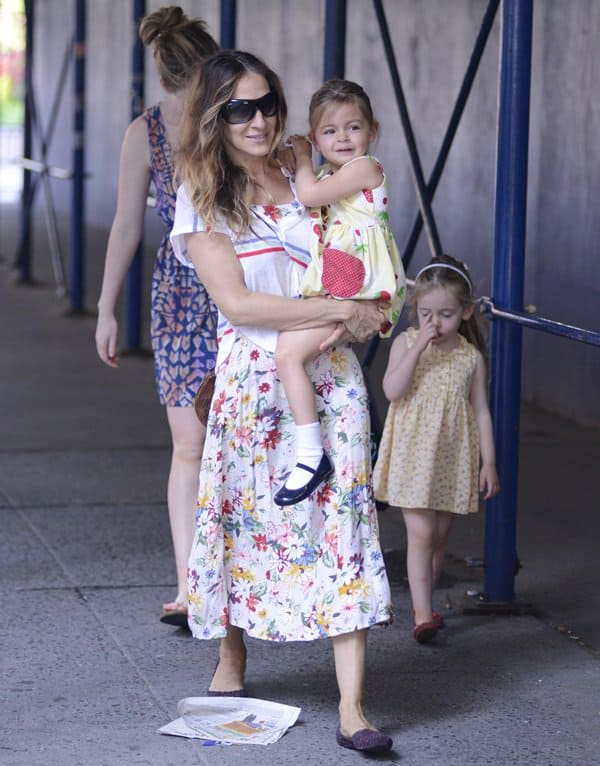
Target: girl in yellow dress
[(353, 256), (437, 425)]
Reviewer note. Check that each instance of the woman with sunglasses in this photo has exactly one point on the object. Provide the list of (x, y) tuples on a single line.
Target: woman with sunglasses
[(314, 569)]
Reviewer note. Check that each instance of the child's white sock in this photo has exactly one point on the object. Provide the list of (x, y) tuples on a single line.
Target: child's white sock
[(309, 450)]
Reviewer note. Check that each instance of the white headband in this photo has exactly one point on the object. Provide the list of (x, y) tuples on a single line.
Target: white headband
[(446, 266)]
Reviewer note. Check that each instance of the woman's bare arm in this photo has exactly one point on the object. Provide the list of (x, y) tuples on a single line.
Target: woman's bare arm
[(218, 268), (125, 234)]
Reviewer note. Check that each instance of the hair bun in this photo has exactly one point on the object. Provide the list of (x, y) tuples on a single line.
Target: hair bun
[(161, 22)]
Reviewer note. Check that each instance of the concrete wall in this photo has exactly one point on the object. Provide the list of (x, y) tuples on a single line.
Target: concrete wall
[(433, 40)]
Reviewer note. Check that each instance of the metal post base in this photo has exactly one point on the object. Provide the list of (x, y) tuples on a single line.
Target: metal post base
[(475, 604)]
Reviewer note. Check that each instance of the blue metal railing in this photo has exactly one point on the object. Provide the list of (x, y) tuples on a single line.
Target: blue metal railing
[(133, 282), (33, 126), (334, 49), (549, 326), (459, 107), (77, 238), (423, 196), (508, 263), (500, 554), (504, 308), (228, 23)]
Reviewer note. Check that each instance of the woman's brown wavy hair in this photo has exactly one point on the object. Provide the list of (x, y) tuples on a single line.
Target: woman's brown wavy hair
[(180, 45), (217, 187)]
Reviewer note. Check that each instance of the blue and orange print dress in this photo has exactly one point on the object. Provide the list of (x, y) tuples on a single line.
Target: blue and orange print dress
[(183, 317)]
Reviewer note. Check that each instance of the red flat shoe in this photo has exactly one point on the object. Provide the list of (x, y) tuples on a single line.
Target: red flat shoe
[(424, 632), (438, 620)]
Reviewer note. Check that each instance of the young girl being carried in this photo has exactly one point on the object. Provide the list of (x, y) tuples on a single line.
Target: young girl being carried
[(353, 255), (437, 425)]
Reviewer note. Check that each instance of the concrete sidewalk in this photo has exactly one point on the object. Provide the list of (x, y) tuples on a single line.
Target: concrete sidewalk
[(88, 673)]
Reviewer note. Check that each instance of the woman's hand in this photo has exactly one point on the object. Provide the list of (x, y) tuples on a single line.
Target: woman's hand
[(365, 319), (107, 330)]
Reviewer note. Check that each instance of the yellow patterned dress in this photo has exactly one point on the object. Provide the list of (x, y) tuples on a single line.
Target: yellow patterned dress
[(429, 450)]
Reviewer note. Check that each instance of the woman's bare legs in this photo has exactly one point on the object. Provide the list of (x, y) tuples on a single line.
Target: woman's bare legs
[(350, 652), (230, 670), (187, 435)]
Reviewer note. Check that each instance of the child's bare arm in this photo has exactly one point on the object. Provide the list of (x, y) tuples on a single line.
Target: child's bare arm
[(489, 483), (403, 361), (363, 173)]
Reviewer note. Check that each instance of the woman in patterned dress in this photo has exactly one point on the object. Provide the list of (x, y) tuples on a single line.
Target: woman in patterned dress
[(314, 569), (183, 317)]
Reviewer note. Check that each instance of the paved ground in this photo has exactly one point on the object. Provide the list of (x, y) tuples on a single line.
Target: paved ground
[(88, 673)]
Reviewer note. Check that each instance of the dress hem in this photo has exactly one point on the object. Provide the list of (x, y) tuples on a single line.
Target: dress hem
[(383, 623)]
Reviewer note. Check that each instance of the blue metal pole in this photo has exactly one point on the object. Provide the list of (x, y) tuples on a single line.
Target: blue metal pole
[(335, 39), (507, 290), (133, 283), (423, 196), (228, 23), (454, 122), (23, 256), (76, 249)]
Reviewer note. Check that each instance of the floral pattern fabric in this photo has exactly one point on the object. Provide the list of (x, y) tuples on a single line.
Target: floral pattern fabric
[(282, 574), (296, 573), (183, 318)]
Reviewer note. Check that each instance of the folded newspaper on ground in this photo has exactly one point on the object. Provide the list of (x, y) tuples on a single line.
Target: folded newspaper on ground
[(232, 720)]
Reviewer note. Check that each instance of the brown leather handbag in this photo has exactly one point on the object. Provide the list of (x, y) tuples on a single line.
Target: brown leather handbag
[(205, 392), (204, 397)]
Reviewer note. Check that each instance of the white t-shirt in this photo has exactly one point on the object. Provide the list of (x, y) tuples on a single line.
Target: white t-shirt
[(273, 256)]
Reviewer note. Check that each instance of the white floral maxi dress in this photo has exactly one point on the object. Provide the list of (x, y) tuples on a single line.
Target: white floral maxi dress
[(300, 572)]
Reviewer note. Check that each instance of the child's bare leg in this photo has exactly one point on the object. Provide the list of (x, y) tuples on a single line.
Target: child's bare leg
[(420, 534), (442, 531), (294, 350)]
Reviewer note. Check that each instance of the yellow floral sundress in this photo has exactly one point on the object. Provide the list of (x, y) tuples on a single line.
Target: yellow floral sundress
[(354, 254), (429, 450)]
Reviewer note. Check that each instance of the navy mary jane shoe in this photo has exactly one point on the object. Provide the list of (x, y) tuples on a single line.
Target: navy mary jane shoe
[(323, 471)]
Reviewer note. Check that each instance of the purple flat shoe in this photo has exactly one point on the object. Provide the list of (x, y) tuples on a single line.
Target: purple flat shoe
[(365, 740), (234, 693)]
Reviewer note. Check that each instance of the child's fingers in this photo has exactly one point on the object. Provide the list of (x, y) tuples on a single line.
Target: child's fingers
[(484, 486), (488, 485), (338, 334)]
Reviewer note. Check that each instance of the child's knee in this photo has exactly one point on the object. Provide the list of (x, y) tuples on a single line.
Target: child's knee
[(283, 356)]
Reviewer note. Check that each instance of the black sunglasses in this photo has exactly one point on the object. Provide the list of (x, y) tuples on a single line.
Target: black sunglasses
[(239, 110)]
